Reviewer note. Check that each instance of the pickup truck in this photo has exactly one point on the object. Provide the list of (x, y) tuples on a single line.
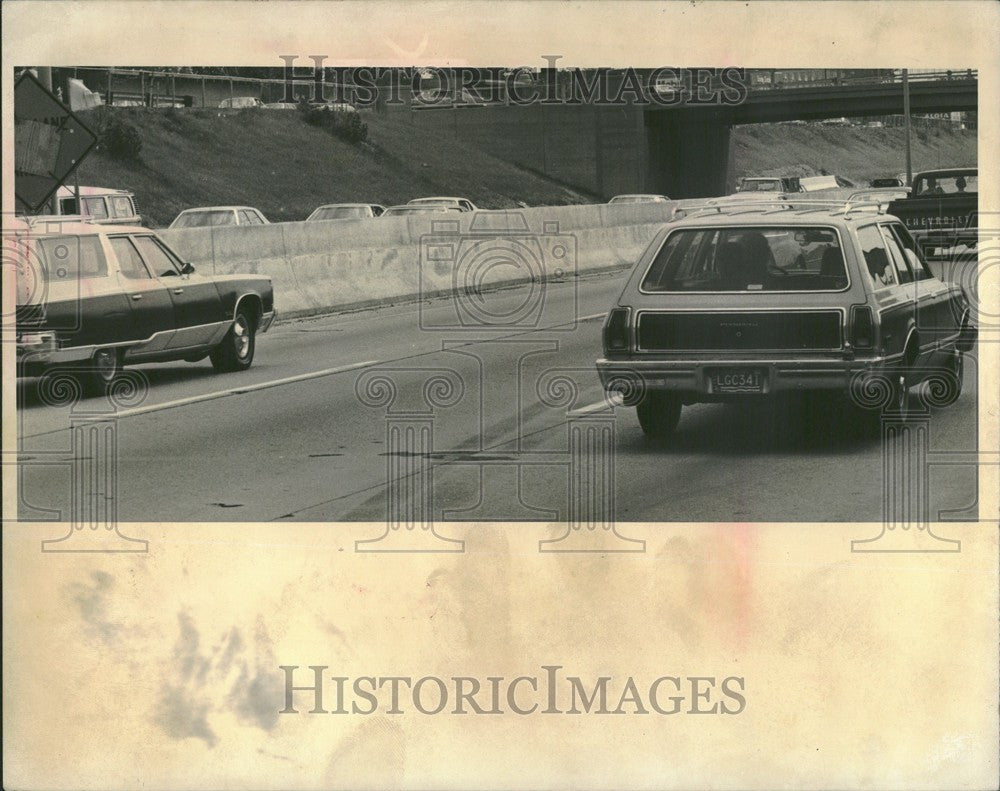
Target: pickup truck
[(941, 212)]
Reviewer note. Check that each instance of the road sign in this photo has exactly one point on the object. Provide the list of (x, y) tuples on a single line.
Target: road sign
[(49, 142)]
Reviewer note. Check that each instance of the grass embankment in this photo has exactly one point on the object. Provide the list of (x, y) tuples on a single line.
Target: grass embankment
[(858, 153), (271, 159)]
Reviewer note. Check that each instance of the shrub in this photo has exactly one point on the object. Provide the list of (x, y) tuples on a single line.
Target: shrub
[(343, 124), (120, 138)]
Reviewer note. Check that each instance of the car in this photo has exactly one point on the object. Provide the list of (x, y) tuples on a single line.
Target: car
[(102, 205), (640, 199), (240, 102), (889, 181), (824, 182), (746, 301), (345, 211), (408, 209), (462, 204), (942, 211), (768, 184), (215, 216), (94, 298)]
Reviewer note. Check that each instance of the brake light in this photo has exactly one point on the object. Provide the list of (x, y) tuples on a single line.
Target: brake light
[(616, 331), (862, 332)]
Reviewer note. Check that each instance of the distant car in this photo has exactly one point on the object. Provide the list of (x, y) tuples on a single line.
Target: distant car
[(215, 216), (828, 182), (240, 102), (740, 306), (346, 211), (640, 199), (100, 205), (942, 211), (768, 184), (122, 295), (462, 204), (423, 208), (894, 181)]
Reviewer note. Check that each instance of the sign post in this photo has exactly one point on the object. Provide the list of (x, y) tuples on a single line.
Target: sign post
[(49, 143)]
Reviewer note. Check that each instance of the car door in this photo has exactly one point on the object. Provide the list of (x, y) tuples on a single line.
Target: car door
[(893, 303), (197, 305), (151, 317), (942, 304), (925, 296)]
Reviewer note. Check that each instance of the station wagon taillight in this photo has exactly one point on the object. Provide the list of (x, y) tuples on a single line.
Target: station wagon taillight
[(616, 331), (862, 332)]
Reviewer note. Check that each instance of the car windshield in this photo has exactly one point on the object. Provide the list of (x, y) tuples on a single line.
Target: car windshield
[(637, 199), (201, 219), (748, 259), (425, 209), (340, 213), (945, 185), (760, 185)]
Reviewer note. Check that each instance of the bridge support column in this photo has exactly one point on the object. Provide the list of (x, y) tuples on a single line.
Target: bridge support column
[(688, 152)]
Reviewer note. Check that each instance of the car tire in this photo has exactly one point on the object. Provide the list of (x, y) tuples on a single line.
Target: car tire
[(659, 413), (235, 353), (944, 386), (102, 371)]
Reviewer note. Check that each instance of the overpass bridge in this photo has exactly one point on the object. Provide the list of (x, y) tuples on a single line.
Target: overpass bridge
[(682, 150)]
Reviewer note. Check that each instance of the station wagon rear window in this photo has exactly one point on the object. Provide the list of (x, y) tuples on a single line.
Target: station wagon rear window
[(798, 258), (71, 257)]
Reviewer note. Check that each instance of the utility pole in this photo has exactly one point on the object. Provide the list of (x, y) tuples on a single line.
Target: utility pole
[(906, 116)]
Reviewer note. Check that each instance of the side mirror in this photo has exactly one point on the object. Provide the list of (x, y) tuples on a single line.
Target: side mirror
[(187, 269)]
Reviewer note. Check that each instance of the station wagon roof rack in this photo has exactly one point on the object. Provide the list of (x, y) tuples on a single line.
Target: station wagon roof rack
[(798, 206)]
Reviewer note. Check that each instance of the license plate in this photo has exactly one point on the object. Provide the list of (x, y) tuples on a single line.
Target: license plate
[(737, 380)]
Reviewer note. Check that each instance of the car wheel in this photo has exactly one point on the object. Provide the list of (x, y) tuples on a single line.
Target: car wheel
[(944, 387), (659, 413), (104, 368), (235, 353)]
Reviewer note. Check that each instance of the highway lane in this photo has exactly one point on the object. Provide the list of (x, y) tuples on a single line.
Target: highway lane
[(294, 439)]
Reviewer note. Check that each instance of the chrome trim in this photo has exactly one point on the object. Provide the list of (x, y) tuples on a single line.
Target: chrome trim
[(834, 228)]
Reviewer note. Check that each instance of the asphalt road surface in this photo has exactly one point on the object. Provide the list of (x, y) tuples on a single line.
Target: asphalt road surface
[(492, 416)]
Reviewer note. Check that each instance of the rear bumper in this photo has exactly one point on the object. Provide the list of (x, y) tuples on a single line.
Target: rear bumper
[(694, 378), (37, 351)]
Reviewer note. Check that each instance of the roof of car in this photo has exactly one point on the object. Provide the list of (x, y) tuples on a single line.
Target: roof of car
[(789, 212), (948, 171), (68, 192), (218, 208), (429, 200), (50, 225), (345, 206)]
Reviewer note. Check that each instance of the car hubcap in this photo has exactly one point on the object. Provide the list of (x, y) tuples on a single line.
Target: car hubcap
[(106, 364), (241, 337)]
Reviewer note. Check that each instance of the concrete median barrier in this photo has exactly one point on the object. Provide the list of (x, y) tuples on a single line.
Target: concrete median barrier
[(323, 266)]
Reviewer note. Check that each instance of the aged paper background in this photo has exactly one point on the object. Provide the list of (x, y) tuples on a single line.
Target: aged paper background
[(160, 670)]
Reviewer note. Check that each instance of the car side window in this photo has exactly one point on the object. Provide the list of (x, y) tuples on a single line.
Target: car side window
[(67, 206), (96, 208), (903, 273), (122, 207), (917, 264), (159, 263), (246, 218), (258, 218), (876, 258), (129, 260)]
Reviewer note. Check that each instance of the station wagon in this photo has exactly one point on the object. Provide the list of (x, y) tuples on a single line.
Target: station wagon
[(93, 298), (749, 300)]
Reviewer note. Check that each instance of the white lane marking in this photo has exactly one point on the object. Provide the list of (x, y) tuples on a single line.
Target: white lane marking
[(612, 400), (594, 316), (142, 410)]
